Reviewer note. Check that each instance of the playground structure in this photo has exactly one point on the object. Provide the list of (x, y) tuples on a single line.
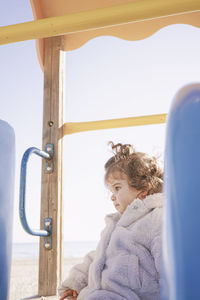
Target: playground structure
[(181, 211), (61, 28), (7, 167)]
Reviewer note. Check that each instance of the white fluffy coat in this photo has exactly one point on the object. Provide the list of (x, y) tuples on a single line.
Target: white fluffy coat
[(126, 263)]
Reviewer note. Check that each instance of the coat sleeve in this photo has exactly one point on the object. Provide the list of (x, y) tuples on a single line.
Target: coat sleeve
[(156, 251), (156, 242), (78, 276)]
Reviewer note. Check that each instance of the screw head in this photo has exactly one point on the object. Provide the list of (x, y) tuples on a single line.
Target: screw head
[(47, 245), (47, 223), (50, 123)]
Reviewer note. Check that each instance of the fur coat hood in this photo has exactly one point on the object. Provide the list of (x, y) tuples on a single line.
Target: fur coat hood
[(126, 263)]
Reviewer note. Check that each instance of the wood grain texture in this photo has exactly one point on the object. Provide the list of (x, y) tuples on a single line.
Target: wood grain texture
[(51, 191), (43, 298)]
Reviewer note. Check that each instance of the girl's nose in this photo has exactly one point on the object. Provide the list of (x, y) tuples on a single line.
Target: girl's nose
[(113, 197)]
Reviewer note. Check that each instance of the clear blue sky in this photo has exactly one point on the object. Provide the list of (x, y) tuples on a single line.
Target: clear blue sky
[(106, 78)]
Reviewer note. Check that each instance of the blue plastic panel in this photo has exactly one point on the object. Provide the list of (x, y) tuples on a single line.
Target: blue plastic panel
[(182, 200), (7, 168)]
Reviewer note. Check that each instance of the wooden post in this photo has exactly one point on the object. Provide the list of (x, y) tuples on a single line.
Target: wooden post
[(50, 261)]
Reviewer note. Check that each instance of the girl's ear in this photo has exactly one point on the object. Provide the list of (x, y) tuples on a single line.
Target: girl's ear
[(142, 195)]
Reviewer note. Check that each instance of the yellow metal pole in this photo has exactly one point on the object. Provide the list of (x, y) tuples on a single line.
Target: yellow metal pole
[(70, 128), (119, 14)]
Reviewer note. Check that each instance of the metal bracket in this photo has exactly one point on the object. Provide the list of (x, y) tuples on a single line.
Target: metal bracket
[(49, 163), (48, 239)]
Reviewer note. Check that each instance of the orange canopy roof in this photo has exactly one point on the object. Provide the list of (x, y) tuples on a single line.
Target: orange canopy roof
[(131, 31)]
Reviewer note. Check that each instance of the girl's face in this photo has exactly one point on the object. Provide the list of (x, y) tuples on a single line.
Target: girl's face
[(122, 193)]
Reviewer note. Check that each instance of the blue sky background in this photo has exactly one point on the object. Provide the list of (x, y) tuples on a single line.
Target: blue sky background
[(106, 78)]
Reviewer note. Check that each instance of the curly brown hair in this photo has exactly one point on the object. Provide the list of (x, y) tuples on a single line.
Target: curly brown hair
[(143, 172)]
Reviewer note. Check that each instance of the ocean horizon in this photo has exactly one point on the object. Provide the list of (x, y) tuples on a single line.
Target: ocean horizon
[(70, 249)]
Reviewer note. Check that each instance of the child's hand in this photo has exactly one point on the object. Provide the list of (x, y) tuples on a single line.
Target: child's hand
[(70, 294)]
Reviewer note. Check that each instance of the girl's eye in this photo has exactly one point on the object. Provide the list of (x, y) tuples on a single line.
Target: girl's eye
[(117, 188)]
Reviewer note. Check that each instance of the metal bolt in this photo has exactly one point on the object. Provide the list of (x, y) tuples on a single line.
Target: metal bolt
[(47, 223), (47, 245), (48, 168), (50, 123), (48, 149)]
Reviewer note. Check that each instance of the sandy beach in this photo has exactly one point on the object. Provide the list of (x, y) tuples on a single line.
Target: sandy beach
[(24, 276)]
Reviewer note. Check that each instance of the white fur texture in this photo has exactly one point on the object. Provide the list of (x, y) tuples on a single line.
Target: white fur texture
[(126, 263)]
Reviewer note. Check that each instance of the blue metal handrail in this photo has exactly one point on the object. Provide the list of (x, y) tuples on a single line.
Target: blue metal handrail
[(22, 194)]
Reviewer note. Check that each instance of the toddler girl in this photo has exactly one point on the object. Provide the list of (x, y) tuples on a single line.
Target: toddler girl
[(126, 263)]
